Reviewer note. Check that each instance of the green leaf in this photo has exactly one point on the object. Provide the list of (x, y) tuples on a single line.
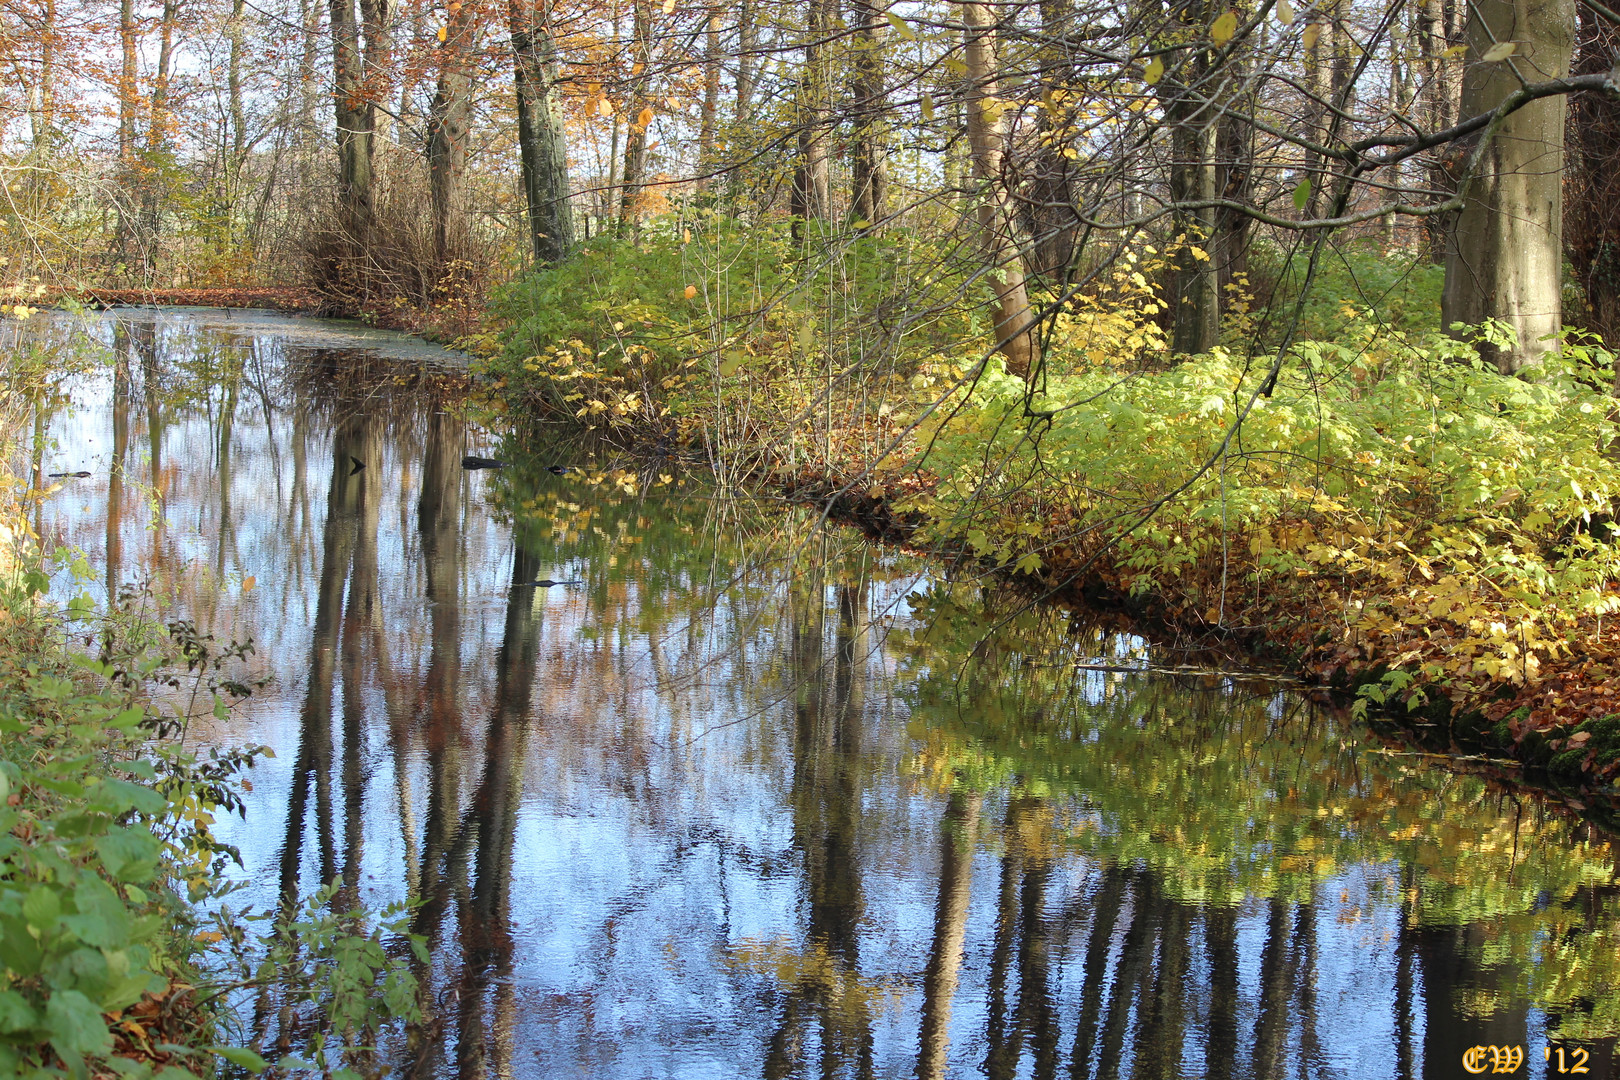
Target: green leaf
[(75, 1024), (900, 26), (42, 908), (15, 1013), (129, 854), (1302, 194), (1153, 72), (102, 919), (241, 1055)]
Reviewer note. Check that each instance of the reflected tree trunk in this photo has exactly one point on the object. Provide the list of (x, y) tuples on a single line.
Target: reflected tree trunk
[(1105, 905), (1220, 936), (958, 839), (313, 761), (1276, 991)]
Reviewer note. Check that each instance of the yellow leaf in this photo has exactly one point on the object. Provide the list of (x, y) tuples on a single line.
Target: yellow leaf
[(1500, 51), (644, 117), (248, 583), (928, 108), (900, 26), (1455, 52), (669, 7), (1313, 34), (691, 291), (1153, 72), (604, 107), (1285, 12), (1223, 29), (442, 34), (1198, 253), (861, 223)]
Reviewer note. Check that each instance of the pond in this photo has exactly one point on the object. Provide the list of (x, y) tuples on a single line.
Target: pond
[(750, 796)]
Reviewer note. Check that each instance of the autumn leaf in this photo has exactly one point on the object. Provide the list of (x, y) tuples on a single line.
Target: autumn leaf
[(443, 33), (644, 118), (1500, 51), (1285, 12), (1313, 34), (669, 7), (604, 107), (691, 291), (1153, 72), (1224, 27), (900, 26)]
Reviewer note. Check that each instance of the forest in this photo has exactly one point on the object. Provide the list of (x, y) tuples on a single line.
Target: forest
[(1279, 333)]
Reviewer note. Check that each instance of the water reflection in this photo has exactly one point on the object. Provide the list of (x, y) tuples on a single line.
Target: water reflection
[(757, 799)]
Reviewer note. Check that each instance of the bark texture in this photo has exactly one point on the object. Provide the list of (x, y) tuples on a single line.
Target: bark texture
[(542, 141), (1014, 323), (1504, 258)]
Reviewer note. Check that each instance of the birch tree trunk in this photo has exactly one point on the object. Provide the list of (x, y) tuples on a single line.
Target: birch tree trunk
[(1504, 259), (1014, 323)]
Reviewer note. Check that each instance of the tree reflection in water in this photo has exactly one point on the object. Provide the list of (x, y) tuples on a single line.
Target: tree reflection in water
[(758, 799)]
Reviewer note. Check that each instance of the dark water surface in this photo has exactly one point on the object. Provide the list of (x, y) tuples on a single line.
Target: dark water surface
[(759, 799)]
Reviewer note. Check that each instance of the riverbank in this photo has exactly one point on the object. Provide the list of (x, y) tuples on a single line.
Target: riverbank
[(1374, 511)]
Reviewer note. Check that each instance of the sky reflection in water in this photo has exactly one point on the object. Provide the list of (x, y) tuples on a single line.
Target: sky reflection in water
[(760, 799)]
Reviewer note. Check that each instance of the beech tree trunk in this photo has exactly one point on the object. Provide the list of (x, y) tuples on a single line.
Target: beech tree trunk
[(1504, 259), (1014, 322), (542, 140)]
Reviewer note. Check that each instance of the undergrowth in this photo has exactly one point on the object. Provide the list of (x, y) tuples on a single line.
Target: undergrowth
[(1391, 514)]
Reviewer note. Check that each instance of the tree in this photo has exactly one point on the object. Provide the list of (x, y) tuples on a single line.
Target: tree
[(542, 139), (1505, 256), (1013, 321)]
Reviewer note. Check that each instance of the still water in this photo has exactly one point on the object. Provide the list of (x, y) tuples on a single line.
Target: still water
[(755, 798)]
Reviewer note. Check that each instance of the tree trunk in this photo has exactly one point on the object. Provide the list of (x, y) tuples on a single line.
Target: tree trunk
[(157, 138), (810, 190), (635, 142), (1504, 259), (128, 35), (542, 140), (1014, 320), (1592, 218), (866, 88), (711, 98), (448, 119), (377, 24), (1195, 282), (1435, 31), (1050, 209), (354, 114)]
